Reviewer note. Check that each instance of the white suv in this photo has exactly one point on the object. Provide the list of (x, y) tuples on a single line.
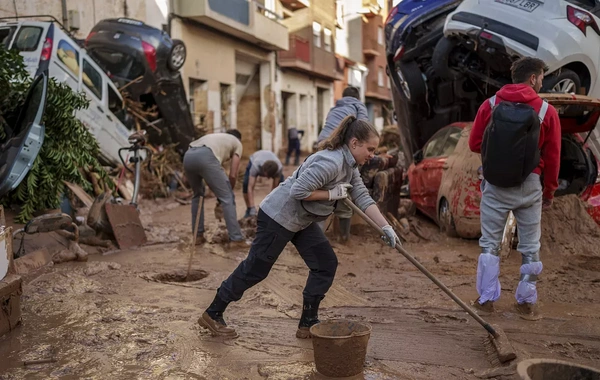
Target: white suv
[(565, 34), (46, 46)]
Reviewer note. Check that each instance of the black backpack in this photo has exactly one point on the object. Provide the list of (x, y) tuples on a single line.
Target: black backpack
[(510, 147)]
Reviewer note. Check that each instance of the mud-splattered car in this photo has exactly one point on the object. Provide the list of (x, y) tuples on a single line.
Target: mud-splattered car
[(147, 61), (445, 177)]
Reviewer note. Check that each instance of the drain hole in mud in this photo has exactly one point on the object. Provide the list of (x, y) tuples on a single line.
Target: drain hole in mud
[(180, 276)]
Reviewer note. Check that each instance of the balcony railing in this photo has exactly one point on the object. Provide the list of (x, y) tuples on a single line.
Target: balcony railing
[(299, 49)]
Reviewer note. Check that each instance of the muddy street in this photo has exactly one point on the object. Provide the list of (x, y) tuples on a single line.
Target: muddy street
[(128, 315)]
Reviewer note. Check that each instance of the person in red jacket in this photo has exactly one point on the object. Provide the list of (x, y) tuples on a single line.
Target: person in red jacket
[(525, 201)]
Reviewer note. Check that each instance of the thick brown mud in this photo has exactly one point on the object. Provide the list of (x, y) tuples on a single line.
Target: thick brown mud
[(111, 318)]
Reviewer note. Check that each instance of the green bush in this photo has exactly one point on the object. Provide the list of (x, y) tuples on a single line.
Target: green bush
[(69, 149)]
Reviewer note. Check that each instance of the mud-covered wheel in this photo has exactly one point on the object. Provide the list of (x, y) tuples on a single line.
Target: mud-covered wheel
[(440, 59), (177, 56), (564, 81), (410, 81), (446, 220)]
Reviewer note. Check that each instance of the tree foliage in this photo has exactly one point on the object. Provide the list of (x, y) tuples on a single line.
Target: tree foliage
[(69, 150)]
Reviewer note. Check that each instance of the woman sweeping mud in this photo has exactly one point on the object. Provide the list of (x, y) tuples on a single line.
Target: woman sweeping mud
[(290, 212)]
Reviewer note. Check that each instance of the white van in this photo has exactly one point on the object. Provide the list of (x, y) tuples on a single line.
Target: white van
[(46, 46)]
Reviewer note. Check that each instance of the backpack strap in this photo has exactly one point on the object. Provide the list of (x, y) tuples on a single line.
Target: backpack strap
[(543, 110), (492, 101)]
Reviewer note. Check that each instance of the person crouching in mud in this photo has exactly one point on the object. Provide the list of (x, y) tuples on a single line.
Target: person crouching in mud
[(291, 212)]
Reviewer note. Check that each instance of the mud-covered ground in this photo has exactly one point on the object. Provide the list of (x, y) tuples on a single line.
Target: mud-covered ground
[(112, 318)]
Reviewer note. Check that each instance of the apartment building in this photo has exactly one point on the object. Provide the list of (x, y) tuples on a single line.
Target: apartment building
[(308, 69), (360, 45), (230, 71)]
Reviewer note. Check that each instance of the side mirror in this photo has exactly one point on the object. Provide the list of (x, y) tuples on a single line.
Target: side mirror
[(418, 156)]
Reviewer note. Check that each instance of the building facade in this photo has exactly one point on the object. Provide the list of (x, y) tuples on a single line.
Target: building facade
[(80, 16), (308, 69), (230, 71), (361, 47)]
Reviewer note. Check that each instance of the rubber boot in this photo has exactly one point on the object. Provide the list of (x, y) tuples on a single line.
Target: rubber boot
[(344, 229), (212, 319), (310, 317)]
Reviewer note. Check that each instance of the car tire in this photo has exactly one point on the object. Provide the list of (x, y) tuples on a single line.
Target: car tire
[(440, 60), (562, 81), (410, 81), (446, 220), (177, 55)]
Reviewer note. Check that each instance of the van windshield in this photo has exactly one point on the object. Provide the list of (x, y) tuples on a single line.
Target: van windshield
[(117, 64), (6, 35)]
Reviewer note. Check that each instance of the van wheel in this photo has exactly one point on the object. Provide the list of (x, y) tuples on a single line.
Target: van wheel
[(563, 81), (177, 56), (446, 220), (410, 81)]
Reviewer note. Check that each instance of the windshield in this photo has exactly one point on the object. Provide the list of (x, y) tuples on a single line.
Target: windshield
[(117, 64)]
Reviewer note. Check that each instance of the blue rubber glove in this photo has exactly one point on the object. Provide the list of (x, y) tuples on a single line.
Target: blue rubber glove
[(390, 238)]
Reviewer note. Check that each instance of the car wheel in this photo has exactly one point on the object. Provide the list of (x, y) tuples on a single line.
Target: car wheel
[(177, 56), (440, 60), (564, 81), (446, 220), (410, 81)]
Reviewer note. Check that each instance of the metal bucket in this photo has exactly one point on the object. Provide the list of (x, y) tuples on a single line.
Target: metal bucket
[(546, 369), (340, 347)]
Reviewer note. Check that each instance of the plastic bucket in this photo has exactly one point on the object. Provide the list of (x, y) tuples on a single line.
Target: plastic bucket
[(546, 369), (340, 347)]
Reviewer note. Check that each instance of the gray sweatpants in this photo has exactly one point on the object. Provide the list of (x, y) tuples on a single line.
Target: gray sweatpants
[(201, 165), (525, 201)]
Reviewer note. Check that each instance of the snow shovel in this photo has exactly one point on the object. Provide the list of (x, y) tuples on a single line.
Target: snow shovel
[(497, 336)]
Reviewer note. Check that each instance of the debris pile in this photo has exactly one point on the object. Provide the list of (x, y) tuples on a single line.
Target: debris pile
[(568, 229), (409, 226)]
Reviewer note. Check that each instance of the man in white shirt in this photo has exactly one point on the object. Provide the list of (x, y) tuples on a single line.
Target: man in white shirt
[(263, 163), (203, 163)]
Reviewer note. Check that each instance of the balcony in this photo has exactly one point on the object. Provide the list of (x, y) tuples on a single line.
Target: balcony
[(245, 19), (304, 56), (371, 46)]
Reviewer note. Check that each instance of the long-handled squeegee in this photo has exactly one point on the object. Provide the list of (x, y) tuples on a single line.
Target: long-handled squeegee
[(497, 336)]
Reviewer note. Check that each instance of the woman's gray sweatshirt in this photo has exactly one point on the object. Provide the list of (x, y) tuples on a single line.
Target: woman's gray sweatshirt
[(321, 171)]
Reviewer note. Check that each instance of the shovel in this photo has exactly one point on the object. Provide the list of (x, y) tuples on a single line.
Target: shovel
[(497, 336)]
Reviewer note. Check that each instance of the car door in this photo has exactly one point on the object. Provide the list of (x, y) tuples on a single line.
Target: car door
[(97, 117), (434, 166), (421, 183), (25, 138)]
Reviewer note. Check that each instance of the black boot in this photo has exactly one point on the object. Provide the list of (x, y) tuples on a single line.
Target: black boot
[(310, 317), (212, 319), (344, 229)]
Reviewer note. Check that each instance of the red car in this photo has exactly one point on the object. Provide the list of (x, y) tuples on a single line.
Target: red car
[(445, 178)]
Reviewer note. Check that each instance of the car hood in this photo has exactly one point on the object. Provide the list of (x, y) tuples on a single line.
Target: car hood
[(577, 113)]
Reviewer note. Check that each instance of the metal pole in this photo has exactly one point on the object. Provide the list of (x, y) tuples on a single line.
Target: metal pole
[(138, 170)]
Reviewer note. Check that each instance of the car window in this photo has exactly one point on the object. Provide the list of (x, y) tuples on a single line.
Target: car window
[(69, 56), (433, 148), (115, 104), (451, 141), (28, 38), (92, 79), (118, 64), (6, 35)]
